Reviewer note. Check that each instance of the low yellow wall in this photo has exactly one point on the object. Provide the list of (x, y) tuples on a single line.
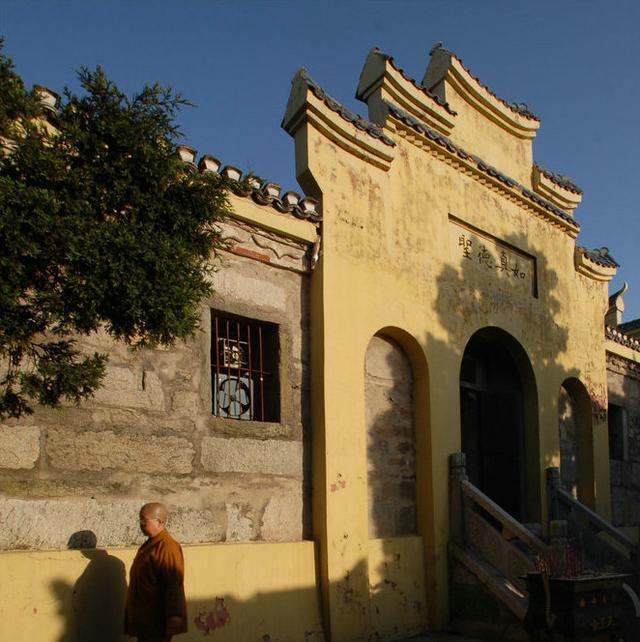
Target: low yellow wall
[(251, 592), (396, 585)]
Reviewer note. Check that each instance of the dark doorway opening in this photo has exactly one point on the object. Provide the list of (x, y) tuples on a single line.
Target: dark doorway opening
[(492, 422)]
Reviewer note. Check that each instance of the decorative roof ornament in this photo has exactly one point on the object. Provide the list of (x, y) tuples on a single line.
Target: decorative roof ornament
[(559, 190), (619, 294), (48, 98), (250, 185), (561, 180), (377, 66), (613, 317), (261, 192), (446, 71), (597, 264), (309, 104), (187, 156), (601, 256), (209, 164), (346, 114)]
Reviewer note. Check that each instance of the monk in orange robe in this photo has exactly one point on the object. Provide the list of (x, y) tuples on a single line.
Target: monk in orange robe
[(155, 607)]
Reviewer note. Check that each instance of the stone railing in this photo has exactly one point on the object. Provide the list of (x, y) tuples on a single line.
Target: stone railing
[(605, 547), (497, 548)]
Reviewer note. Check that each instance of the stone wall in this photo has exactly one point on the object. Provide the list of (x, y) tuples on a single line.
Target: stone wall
[(149, 434), (568, 442), (624, 424), (390, 440)]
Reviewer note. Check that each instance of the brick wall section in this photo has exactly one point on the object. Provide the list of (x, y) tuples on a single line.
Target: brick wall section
[(623, 379), (390, 440), (149, 434)]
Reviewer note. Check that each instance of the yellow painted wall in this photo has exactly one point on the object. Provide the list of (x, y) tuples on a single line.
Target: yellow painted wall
[(390, 261), (390, 264), (396, 586), (77, 596)]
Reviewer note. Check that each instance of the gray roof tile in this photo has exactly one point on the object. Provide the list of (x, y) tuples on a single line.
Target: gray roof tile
[(484, 167)]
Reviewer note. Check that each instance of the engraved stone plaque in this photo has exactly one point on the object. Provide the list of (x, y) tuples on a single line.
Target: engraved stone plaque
[(476, 252)]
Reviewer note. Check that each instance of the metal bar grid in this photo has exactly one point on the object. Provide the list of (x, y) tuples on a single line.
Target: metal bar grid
[(228, 359)]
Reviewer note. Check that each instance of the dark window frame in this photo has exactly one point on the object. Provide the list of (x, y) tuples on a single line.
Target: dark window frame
[(245, 360)]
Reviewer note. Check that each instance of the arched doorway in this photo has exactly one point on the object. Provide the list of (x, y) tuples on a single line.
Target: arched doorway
[(498, 415), (576, 440)]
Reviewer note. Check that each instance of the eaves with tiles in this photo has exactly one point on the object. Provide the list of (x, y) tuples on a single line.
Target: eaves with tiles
[(416, 109)]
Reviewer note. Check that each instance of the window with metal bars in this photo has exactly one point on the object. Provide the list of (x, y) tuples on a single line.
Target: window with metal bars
[(244, 368)]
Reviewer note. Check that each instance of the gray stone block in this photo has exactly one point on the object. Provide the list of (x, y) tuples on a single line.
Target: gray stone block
[(282, 517), (268, 457), (103, 450), (130, 386), (234, 285), (51, 523), (19, 447)]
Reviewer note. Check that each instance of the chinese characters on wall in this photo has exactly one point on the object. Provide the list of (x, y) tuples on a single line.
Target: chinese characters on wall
[(479, 253)]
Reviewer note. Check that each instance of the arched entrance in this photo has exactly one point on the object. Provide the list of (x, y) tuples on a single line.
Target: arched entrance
[(576, 440), (498, 415)]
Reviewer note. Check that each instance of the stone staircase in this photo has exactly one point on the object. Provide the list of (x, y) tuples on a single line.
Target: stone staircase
[(491, 553)]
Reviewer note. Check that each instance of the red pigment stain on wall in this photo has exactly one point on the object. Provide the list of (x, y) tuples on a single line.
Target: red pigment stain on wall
[(208, 621), (340, 483)]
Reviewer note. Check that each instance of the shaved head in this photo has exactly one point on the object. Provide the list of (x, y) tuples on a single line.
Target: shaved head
[(155, 510), (153, 517)]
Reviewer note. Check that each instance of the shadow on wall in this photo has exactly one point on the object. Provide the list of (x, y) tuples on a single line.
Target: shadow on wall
[(508, 285), (466, 301), (502, 299), (93, 607), (277, 616)]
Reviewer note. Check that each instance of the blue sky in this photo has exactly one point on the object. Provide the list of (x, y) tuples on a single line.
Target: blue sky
[(574, 62)]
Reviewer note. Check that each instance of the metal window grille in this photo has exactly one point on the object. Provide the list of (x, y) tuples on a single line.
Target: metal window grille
[(244, 369)]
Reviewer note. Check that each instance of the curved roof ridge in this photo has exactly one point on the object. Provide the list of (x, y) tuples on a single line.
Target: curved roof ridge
[(422, 88), (345, 113), (600, 256), (519, 108), (484, 167), (560, 179)]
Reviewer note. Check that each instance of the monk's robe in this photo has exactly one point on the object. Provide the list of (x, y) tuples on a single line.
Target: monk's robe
[(156, 589)]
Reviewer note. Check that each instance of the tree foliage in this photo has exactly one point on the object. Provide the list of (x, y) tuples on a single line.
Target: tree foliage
[(101, 226)]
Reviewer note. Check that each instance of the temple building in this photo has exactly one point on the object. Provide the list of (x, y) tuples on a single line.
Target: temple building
[(405, 380)]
